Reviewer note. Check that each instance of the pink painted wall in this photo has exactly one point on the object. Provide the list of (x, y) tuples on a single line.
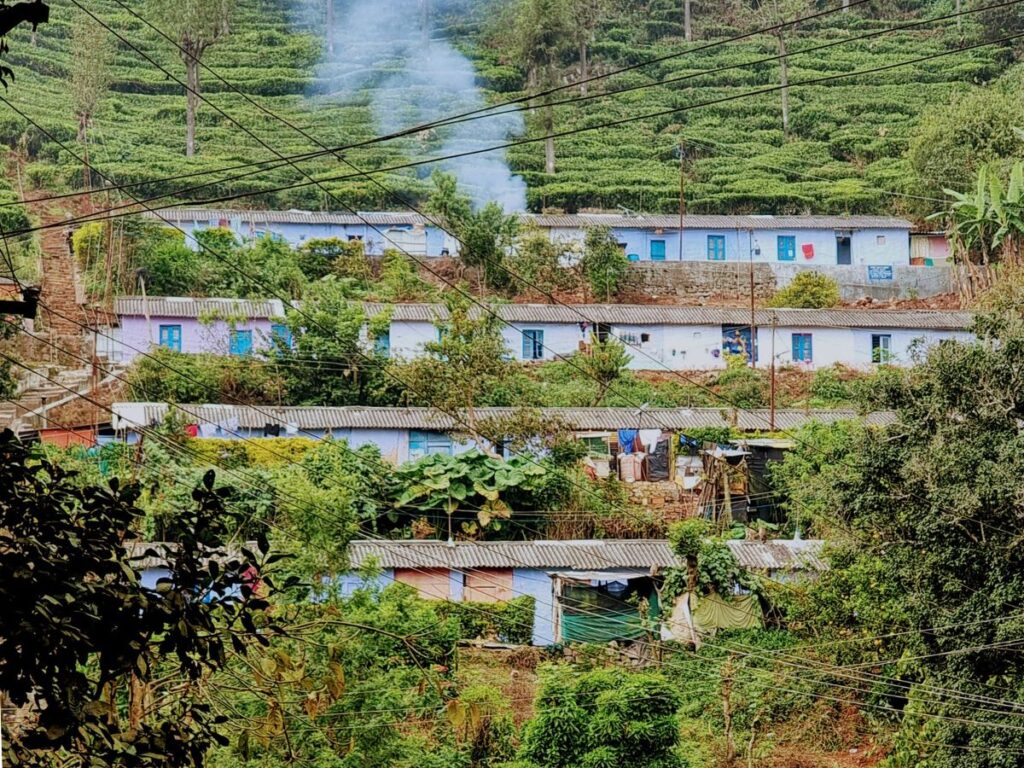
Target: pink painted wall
[(136, 333)]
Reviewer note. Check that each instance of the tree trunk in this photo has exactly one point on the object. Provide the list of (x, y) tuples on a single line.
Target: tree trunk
[(83, 121), (549, 142), (784, 81), (330, 26), (191, 102), (688, 20), (846, 4), (584, 67)]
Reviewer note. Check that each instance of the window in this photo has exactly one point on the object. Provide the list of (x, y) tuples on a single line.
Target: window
[(657, 250), (645, 338), (170, 337), (716, 247), (382, 344), (881, 347), (281, 334), (880, 239), (533, 345), (426, 443), (802, 348), (355, 238), (240, 342), (787, 248)]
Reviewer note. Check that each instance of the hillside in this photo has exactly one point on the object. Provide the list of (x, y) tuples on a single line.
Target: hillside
[(847, 143)]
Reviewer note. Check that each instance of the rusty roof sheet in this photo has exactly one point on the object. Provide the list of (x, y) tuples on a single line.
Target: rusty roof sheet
[(567, 221), (188, 307), (589, 554), (131, 415), (641, 314)]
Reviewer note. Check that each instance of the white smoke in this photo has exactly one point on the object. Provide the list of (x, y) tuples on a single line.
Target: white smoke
[(384, 52)]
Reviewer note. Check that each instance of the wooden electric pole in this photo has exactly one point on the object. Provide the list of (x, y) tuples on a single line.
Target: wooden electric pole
[(682, 196)]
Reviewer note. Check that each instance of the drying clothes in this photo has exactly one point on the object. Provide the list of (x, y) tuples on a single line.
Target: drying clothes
[(291, 429), (658, 467), (627, 440), (208, 429), (192, 430), (649, 439), (272, 430), (230, 426)]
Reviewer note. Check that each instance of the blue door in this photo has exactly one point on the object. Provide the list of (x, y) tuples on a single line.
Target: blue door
[(657, 250), (787, 248), (170, 337), (382, 344), (716, 247), (241, 342)]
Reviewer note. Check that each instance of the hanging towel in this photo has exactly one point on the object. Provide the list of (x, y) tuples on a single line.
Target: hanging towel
[(272, 430), (230, 426), (627, 439), (649, 439), (291, 429), (208, 429)]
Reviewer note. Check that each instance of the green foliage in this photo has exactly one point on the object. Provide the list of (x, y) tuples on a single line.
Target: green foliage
[(605, 363), (740, 385), (319, 257), (469, 481), (808, 290), (956, 139), (81, 624), (987, 226), (540, 263), (603, 718), (827, 387), (202, 378), (510, 621), (603, 263), (400, 280), (329, 362)]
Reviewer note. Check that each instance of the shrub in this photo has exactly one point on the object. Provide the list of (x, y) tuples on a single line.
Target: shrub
[(828, 387), (809, 290), (510, 621), (740, 385)]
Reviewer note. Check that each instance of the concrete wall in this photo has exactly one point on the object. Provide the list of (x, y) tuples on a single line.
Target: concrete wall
[(540, 586), (136, 334), (699, 281)]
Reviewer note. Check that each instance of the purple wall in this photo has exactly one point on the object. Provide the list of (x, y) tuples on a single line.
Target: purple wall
[(137, 334)]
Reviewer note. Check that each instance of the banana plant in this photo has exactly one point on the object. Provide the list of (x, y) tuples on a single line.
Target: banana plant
[(989, 222)]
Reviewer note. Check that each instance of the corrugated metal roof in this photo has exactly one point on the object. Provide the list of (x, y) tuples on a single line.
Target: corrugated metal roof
[(204, 215), (702, 221), (591, 554), (640, 314), (129, 415), (618, 221), (779, 555), (186, 307)]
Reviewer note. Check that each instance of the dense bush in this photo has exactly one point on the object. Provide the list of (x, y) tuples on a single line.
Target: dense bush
[(809, 290), (510, 621)]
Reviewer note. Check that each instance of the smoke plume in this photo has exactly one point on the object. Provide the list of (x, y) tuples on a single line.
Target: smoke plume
[(391, 53)]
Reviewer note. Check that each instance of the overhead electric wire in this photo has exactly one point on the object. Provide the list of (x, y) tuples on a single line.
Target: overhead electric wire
[(520, 142)]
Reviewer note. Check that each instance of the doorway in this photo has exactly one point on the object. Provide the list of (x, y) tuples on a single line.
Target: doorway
[(844, 253)]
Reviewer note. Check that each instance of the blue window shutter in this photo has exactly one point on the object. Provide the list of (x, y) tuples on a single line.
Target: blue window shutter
[(383, 344), (809, 348), (538, 347), (716, 247), (657, 250), (281, 332), (241, 342), (527, 346), (798, 347)]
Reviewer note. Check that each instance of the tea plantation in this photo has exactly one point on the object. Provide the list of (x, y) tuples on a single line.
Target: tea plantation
[(846, 148)]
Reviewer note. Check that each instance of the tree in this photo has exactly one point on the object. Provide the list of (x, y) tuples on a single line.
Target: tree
[(468, 360), (195, 25), (543, 33), (90, 77), (608, 717), (778, 14), (604, 363), (603, 263), (484, 235), (329, 360), (540, 261), (585, 16), (922, 517), (976, 128), (34, 13), (84, 642)]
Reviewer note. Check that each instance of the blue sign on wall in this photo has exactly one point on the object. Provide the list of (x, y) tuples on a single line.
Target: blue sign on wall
[(877, 274)]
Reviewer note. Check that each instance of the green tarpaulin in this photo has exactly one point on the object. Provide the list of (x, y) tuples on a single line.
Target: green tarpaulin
[(591, 616)]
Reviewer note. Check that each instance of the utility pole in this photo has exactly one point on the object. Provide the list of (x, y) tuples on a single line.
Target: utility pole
[(771, 413), (682, 191), (753, 323)]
